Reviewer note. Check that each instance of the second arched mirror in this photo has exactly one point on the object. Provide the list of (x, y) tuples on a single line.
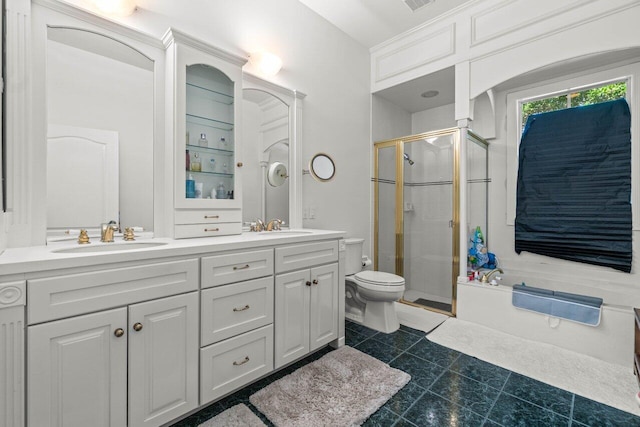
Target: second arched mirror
[(269, 152)]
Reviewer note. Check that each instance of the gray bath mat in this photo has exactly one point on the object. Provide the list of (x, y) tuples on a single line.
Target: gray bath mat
[(343, 388), (236, 416)]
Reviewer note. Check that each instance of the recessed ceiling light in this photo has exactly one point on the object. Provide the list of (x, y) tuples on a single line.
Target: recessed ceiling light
[(429, 94)]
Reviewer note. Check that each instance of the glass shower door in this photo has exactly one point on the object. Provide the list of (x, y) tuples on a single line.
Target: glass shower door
[(428, 217), (385, 257)]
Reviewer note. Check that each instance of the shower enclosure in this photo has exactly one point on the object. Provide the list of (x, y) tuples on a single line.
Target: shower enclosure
[(419, 206)]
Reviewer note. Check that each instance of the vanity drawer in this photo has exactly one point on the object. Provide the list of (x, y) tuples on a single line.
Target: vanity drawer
[(207, 216), (297, 257), (207, 230), (235, 362), (222, 269), (234, 309), (72, 294)]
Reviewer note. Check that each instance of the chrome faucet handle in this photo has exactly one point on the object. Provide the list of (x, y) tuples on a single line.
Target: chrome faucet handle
[(259, 225), (274, 224)]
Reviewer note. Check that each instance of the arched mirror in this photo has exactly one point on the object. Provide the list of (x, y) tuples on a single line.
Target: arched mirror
[(322, 167), (100, 132), (269, 152)]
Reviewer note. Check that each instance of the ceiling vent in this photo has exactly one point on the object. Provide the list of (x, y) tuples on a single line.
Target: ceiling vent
[(417, 4)]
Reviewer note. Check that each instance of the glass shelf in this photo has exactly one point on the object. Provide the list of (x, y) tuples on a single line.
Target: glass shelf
[(214, 95), (209, 149), (212, 123), (220, 174)]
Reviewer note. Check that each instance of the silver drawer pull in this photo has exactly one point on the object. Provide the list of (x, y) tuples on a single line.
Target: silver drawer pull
[(211, 216), (246, 307), (211, 229), (241, 268), (242, 362)]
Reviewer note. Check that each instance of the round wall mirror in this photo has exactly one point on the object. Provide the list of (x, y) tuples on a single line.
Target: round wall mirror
[(322, 167)]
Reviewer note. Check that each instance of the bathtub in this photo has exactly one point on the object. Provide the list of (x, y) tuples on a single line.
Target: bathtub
[(490, 306)]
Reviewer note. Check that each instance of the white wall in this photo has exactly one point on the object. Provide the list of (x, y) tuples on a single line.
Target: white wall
[(433, 119), (389, 120)]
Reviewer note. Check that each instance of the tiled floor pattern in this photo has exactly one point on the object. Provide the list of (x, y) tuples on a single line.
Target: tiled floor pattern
[(449, 388)]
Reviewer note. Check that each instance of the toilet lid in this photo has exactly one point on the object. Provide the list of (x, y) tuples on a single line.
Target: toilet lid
[(379, 278)]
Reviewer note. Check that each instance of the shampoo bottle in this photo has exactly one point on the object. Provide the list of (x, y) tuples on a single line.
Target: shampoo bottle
[(191, 187)]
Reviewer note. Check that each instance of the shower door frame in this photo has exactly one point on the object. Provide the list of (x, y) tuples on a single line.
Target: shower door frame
[(399, 204)]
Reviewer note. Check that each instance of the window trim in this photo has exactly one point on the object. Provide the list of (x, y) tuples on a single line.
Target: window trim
[(569, 84)]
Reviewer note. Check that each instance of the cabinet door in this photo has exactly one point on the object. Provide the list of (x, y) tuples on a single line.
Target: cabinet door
[(324, 306), (163, 359), (207, 116), (291, 316), (77, 371)]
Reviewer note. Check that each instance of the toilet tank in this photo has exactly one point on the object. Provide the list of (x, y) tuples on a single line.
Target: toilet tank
[(353, 257)]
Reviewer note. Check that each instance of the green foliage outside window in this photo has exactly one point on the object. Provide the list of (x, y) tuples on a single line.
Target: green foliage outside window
[(595, 95)]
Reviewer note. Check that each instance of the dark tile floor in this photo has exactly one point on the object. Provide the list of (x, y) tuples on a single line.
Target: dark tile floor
[(449, 388)]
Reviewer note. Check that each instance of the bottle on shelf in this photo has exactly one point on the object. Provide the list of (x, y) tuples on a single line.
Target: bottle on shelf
[(203, 140), (212, 164), (188, 161), (225, 168), (191, 187), (196, 164), (221, 193), (223, 142)]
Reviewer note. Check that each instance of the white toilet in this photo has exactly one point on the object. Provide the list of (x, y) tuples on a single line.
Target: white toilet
[(370, 295)]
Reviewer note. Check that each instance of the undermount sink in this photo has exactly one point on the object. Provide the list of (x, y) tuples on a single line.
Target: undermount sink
[(109, 247), (283, 232)]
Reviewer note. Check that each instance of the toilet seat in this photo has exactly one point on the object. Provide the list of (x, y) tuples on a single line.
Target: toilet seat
[(378, 280)]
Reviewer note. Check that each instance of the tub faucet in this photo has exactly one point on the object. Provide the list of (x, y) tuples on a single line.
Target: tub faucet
[(487, 276), (107, 230)]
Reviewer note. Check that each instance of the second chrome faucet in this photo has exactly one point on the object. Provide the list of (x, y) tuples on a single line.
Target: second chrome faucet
[(273, 225)]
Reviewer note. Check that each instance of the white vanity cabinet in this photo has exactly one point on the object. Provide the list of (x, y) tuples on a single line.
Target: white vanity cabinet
[(12, 333), (135, 364), (204, 90), (306, 299), (236, 321)]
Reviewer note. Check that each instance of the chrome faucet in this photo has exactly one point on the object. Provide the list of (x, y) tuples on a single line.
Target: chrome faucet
[(258, 225), (107, 230), (487, 276), (275, 224)]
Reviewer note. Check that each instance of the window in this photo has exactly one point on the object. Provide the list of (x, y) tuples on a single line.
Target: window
[(572, 98), (574, 185), (617, 80)]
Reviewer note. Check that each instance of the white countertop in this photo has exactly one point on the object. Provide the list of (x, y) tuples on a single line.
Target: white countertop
[(45, 258)]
